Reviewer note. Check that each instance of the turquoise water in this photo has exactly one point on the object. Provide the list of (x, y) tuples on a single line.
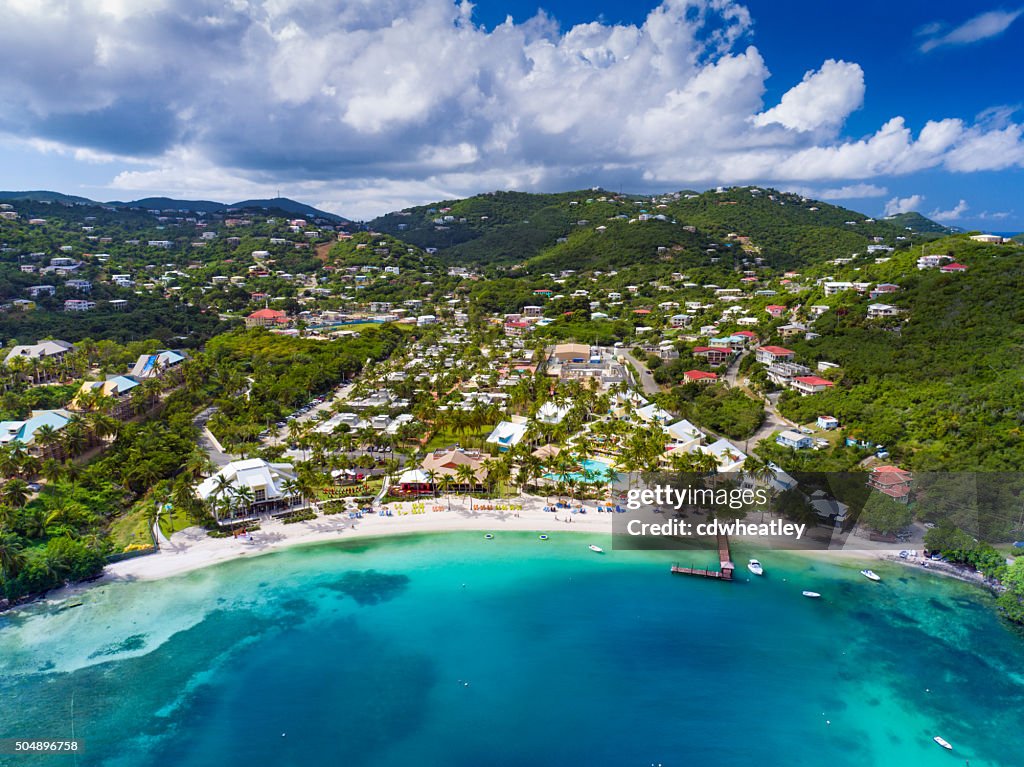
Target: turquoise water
[(598, 470), (454, 650)]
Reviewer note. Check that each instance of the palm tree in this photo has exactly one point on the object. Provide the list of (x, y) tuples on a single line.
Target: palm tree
[(46, 437), (758, 469), (30, 466), (446, 484), (291, 488), (198, 464), (466, 476), (102, 424), (51, 470), (705, 463), (15, 493), (244, 498), (151, 388), (432, 478), (10, 461), (498, 473), (12, 556)]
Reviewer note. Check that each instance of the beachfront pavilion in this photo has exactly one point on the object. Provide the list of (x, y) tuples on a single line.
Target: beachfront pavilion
[(445, 463), (249, 489)]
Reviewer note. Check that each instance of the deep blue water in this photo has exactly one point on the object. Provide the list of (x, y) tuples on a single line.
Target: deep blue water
[(453, 650)]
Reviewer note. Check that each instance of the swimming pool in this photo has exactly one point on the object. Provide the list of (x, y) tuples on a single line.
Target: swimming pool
[(598, 471)]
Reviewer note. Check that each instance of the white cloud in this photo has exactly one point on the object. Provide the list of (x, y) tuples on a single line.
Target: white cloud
[(824, 99), (995, 215), (981, 27), (903, 204), (343, 101), (953, 214)]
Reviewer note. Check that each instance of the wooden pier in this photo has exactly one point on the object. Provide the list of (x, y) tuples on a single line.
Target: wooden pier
[(725, 565)]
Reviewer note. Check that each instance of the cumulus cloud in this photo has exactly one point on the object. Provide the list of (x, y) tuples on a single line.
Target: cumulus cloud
[(899, 205), (981, 27), (824, 99), (952, 214), (352, 101)]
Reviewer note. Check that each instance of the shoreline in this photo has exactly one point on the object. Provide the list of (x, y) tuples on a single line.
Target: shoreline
[(192, 549)]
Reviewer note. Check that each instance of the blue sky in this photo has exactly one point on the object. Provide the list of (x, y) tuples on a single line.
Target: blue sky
[(363, 106)]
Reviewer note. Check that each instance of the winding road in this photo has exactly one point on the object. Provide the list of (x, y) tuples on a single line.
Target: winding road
[(647, 382)]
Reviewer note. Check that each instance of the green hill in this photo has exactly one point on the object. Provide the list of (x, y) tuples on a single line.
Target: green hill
[(939, 386), (494, 228), (915, 222), (44, 196), (547, 230)]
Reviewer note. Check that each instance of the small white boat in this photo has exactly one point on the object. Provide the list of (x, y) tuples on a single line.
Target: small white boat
[(596, 549), (755, 567), (812, 594), (542, 537), (871, 575), (488, 536), (942, 742)]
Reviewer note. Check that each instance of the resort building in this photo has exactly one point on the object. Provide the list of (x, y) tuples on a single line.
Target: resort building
[(245, 489), (441, 464), (684, 435), (713, 354), (508, 434), (78, 305), (157, 365), (828, 509), (571, 353), (550, 413), (882, 310), (38, 433), (42, 362), (730, 458), (114, 393)]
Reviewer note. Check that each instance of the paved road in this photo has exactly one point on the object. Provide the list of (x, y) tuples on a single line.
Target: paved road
[(218, 456), (772, 423), (647, 382)]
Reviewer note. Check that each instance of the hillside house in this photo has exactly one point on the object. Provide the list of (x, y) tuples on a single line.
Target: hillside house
[(267, 318), (766, 355), (893, 481), (810, 384), (793, 439), (875, 311), (699, 376), (713, 354)]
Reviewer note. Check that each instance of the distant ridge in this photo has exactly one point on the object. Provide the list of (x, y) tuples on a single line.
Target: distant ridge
[(283, 204), (45, 196), (918, 223)]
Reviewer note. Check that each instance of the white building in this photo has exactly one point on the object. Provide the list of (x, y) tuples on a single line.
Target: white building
[(245, 489)]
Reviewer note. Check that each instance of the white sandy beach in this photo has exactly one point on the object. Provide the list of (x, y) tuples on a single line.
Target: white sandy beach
[(192, 549)]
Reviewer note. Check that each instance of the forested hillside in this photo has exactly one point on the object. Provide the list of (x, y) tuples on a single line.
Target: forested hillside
[(554, 230), (941, 384)]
